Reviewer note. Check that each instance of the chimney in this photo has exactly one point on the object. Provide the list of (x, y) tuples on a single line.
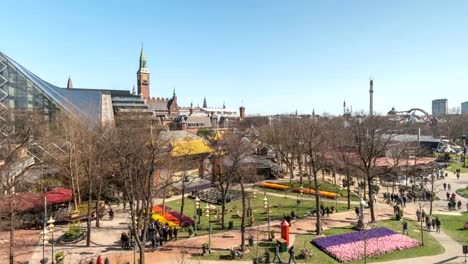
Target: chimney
[(241, 113)]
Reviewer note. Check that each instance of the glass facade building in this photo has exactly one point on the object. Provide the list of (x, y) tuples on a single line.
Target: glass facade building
[(19, 92), (21, 89)]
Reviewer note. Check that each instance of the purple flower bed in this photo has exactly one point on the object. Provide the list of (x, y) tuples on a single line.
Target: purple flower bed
[(185, 220), (350, 246), (325, 242)]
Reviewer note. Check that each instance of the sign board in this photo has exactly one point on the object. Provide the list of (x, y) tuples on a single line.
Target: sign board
[(465, 249)]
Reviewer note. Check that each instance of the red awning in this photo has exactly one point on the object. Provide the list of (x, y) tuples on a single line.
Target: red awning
[(23, 202), (59, 196)]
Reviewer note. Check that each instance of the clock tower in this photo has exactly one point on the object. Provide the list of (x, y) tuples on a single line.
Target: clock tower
[(143, 79)]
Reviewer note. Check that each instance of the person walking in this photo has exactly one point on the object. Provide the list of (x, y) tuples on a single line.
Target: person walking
[(99, 260), (405, 227), (106, 261), (175, 231), (111, 213), (277, 254), (438, 223), (445, 186), (458, 176), (291, 255), (418, 215), (153, 242), (449, 187)]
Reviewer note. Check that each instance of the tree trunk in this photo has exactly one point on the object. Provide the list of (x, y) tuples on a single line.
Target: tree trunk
[(317, 204), (243, 217), (371, 200), (12, 227), (299, 163), (223, 208), (88, 223), (182, 202), (349, 189)]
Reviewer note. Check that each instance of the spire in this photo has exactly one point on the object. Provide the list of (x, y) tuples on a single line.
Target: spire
[(204, 103), (371, 96), (142, 61), (344, 107), (133, 90), (69, 83), (173, 93), (224, 105)]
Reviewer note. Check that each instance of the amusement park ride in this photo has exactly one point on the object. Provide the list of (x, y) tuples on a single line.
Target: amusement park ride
[(414, 115)]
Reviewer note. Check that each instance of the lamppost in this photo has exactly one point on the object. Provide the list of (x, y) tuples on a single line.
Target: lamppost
[(197, 206), (267, 210), (44, 238), (209, 226), (50, 226)]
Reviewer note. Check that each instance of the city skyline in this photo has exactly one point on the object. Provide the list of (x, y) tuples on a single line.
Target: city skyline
[(275, 58)]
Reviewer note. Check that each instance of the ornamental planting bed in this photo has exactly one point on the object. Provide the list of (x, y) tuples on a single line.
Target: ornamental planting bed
[(350, 246)]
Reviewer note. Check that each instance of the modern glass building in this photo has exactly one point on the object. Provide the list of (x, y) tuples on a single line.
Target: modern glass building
[(21, 89), (439, 107)]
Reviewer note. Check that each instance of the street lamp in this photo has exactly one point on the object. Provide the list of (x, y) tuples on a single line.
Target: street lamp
[(197, 206), (209, 226), (267, 210), (50, 226), (44, 238)]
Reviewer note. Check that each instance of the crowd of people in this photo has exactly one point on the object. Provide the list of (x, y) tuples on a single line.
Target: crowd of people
[(157, 234)]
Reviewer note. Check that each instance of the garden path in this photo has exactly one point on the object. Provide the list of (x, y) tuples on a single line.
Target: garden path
[(453, 252)]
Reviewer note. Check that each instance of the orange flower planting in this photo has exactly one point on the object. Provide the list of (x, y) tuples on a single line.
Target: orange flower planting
[(271, 185), (312, 191)]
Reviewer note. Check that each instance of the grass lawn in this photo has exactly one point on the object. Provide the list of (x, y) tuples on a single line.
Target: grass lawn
[(453, 226), (454, 166), (431, 246), (279, 206), (463, 192), (324, 186)]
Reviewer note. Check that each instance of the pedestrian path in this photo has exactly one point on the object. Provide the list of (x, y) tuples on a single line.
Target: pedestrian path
[(453, 252)]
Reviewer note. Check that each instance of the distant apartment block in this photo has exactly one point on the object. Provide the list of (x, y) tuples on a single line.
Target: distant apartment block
[(439, 107), (464, 108)]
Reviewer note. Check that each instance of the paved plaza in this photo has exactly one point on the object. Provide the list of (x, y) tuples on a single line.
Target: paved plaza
[(106, 240)]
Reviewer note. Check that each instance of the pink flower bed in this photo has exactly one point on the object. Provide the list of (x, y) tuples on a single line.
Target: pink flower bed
[(350, 246)]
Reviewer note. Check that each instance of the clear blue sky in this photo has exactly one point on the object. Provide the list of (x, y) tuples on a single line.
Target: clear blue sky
[(276, 56)]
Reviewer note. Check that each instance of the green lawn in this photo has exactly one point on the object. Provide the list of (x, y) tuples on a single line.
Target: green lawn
[(431, 246), (463, 192), (279, 206), (453, 226), (454, 166)]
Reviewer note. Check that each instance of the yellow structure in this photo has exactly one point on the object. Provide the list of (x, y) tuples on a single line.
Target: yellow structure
[(188, 147)]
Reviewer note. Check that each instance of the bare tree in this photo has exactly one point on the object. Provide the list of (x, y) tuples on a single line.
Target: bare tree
[(341, 142), (17, 131), (315, 146), (371, 141), (236, 166), (138, 155), (283, 137)]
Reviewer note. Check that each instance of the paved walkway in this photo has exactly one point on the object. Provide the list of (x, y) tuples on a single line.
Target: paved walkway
[(105, 241)]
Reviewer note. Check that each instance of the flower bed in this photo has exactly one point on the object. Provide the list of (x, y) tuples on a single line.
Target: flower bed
[(163, 220), (350, 246), (312, 191), (275, 186), (159, 209), (186, 221)]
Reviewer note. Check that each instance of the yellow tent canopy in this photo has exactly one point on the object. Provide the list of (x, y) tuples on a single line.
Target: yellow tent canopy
[(190, 147)]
